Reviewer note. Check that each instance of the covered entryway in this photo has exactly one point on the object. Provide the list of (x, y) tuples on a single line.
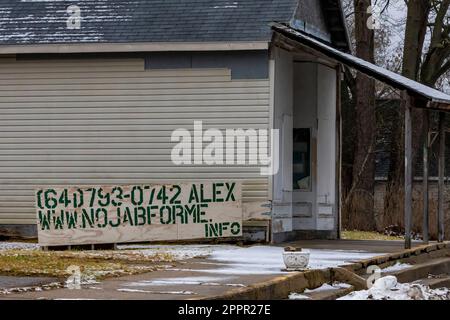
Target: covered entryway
[(415, 95), (305, 190)]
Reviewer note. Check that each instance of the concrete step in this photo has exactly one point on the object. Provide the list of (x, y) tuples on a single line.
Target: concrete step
[(423, 270), (329, 294), (442, 281)]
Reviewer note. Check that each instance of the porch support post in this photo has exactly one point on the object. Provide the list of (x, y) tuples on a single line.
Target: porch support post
[(426, 215), (408, 168), (441, 177)]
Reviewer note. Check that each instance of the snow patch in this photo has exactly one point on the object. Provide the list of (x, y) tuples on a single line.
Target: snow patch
[(5, 245), (235, 260), (201, 281), (328, 287), (157, 292), (396, 267), (298, 296), (230, 5), (387, 288), (179, 252), (49, 286)]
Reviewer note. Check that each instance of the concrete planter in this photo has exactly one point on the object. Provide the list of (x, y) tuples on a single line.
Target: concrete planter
[(296, 260)]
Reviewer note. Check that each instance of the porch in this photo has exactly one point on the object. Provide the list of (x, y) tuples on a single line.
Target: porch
[(414, 95)]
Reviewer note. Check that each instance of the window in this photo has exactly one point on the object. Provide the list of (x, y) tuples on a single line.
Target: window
[(301, 170)]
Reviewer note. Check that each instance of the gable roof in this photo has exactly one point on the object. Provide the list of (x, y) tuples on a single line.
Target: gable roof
[(40, 26), (129, 21)]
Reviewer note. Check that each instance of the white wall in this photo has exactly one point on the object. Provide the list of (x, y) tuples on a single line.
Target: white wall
[(109, 121), (283, 117), (305, 97), (326, 148)]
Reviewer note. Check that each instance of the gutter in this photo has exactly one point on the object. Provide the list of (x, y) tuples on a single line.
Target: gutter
[(132, 47)]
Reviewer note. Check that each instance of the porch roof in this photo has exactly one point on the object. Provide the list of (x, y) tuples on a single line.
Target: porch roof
[(438, 100)]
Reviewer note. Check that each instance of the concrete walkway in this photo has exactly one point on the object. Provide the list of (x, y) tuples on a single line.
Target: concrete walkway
[(191, 279), (204, 277)]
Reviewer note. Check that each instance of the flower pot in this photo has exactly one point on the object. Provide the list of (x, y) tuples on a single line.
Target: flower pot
[(296, 260)]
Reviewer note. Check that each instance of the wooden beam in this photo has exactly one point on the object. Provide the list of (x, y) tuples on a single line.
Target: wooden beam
[(441, 176), (338, 191), (426, 146), (408, 168), (439, 106)]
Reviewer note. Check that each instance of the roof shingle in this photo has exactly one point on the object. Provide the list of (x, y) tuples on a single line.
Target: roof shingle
[(125, 21)]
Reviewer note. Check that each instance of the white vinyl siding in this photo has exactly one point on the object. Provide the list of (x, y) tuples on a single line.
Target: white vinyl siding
[(105, 121)]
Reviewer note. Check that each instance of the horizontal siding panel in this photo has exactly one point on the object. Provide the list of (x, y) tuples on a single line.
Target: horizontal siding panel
[(121, 80), (97, 122), (133, 116), (133, 92), (170, 122), (114, 74), (91, 139), (128, 180), (98, 170), (56, 159), (149, 86), (131, 174), (197, 97), (111, 164), (17, 186), (62, 71), (146, 110), (63, 63), (169, 103), (86, 151), (165, 129), (148, 147), (163, 134)]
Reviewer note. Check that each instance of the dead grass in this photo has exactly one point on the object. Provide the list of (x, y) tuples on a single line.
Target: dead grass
[(98, 264), (366, 235)]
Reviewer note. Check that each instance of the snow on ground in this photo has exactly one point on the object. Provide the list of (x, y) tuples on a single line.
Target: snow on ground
[(156, 292), (324, 287), (328, 287), (179, 252), (387, 288), (234, 260), (396, 267), (5, 245), (298, 296), (202, 281), (231, 259)]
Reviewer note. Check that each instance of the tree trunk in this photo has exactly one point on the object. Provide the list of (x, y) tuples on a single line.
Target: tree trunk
[(348, 133), (416, 24), (360, 200)]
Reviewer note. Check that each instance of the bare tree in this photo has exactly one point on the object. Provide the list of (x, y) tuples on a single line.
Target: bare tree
[(359, 200), (424, 64)]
